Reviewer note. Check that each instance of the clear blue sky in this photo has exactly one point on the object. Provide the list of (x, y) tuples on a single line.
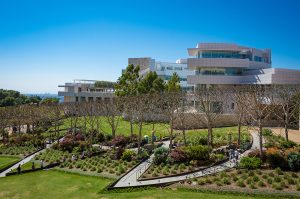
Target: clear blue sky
[(46, 43)]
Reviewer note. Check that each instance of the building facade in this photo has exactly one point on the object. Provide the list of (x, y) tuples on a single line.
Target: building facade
[(231, 64), (84, 91), (164, 69)]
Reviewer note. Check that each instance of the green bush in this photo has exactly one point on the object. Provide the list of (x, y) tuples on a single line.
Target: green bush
[(199, 152), (226, 181), (160, 155), (250, 163), (267, 132), (128, 155), (240, 183), (293, 160), (277, 160), (278, 171), (261, 183), (277, 186)]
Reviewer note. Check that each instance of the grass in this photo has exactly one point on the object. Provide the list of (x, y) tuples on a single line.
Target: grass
[(7, 160), (161, 129), (59, 185), (220, 135)]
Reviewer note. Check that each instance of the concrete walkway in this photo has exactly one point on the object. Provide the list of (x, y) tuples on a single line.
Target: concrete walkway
[(25, 160), (131, 179)]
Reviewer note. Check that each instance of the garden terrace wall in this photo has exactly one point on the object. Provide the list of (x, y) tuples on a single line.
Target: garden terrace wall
[(32, 170)]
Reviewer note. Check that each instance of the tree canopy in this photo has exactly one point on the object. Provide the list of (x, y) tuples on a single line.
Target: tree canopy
[(132, 84), (12, 98)]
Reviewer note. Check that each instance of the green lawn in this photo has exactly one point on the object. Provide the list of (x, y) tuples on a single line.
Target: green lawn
[(7, 160), (56, 184), (220, 134), (123, 127), (161, 129)]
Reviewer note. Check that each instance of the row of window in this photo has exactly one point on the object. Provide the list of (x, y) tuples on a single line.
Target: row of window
[(228, 54), (220, 71)]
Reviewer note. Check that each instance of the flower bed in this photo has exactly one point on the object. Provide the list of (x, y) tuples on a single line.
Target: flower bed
[(243, 180)]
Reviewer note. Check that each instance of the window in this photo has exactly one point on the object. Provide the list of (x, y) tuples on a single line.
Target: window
[(232, 106)]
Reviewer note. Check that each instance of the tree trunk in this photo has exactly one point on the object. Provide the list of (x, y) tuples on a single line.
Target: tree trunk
[(286, 128), (184, 137), (140, 137), (239, 133), (260, 141), (131, 129), (152, 135), (171, 135)]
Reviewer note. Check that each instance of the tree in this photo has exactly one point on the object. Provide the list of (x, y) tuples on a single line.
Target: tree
[(170, 102), (112, 110), (238, 98), (182, 116), (258, 101), (173, 84), (127, 84), (50, 100), (210, 105), (285, 104)]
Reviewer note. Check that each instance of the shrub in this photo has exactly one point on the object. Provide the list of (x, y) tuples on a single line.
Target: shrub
[(276, 159), (278, 171), (240, 183), (270, 181), (294, 175), (264, 176), (178, 155), (293, 160), (143, 154), (277, 179), (298, 187), (198, 152), (67, 144), (255, 178), (127, 155), (100, 137), (291, 181), (120, 141), (226, 181), (267, 132), (250, 163), (287, 144), (277, 186), (201, 182), (252, 186), (261, 183), (117, 153), (160, 155), (121, 169), (254, 153), (219, 183)]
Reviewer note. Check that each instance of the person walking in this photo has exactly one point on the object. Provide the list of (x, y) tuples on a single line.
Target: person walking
[(19, 169), (236, 155)]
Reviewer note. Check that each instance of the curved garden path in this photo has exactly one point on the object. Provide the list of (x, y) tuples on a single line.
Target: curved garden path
[(131, 178)]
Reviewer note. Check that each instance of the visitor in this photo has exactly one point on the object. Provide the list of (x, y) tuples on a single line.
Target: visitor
[(42, 164), (19, 169), (32, 166), (230, 154), (236, 155)]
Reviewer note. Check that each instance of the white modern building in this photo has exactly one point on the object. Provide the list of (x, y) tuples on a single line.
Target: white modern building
[(219, 64), (165, 69), (84, 91), (231, 64)]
